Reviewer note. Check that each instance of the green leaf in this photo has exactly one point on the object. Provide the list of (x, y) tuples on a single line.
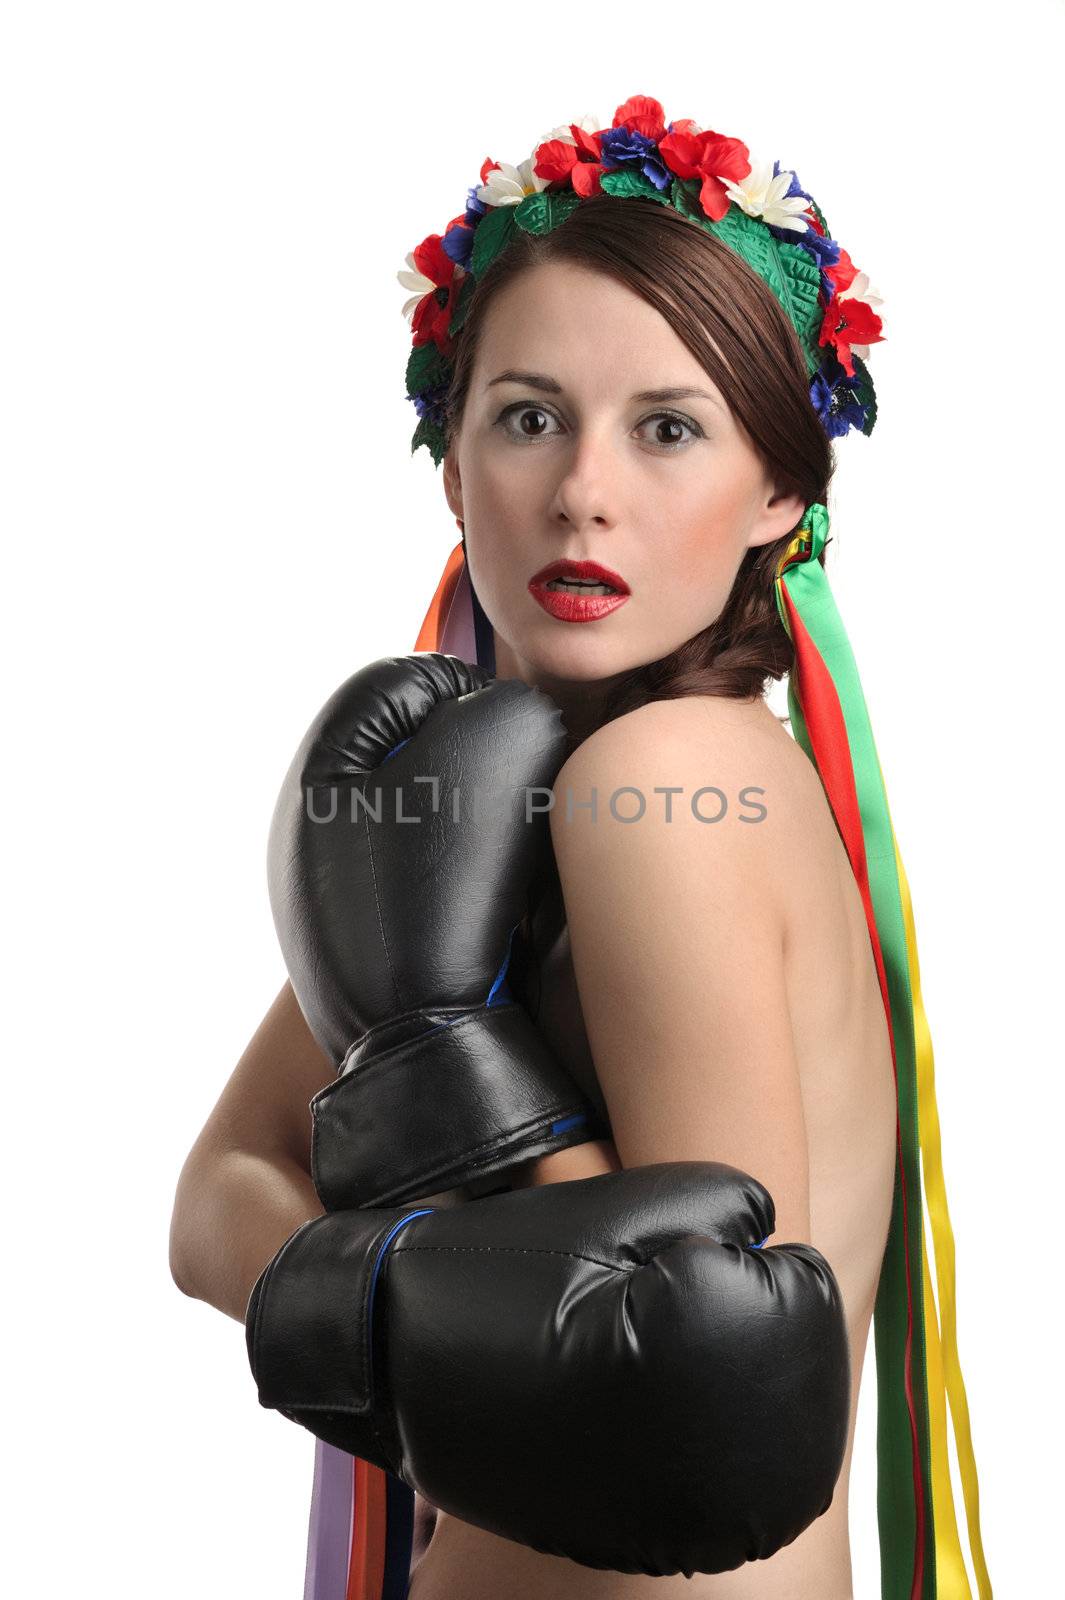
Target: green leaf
[(490, 237), (627, 183), (426, 368), (789, 270), (541, 213), (862, 384), (462, 304), (684, 197), (427, 433), (819, 214)]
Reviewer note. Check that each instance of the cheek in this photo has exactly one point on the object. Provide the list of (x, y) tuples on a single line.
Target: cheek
[(499, 504), (701, 550), (710, 528), (697, 558), (499, 566)]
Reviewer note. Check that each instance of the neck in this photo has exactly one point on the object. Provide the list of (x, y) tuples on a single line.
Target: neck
[(583, 704)]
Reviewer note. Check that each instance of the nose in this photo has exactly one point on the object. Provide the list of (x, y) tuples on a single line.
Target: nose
[(586, 492)]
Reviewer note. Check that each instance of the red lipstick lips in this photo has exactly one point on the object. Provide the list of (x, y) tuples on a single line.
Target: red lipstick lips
[(570, 605)]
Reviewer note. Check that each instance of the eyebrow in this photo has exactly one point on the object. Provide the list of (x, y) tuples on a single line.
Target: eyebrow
[(539, 380)]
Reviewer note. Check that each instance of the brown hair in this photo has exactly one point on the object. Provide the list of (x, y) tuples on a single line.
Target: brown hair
[(737, 330)]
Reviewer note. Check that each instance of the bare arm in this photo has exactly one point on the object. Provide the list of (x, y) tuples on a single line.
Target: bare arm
[(678, 937), (246, 1183), (241, 1208)]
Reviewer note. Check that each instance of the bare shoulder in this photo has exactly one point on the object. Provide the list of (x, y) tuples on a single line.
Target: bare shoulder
[(708, 725), (703, 763)]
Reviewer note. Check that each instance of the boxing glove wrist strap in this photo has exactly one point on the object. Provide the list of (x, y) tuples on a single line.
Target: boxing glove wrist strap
[(435, 1098), (317, 1295)]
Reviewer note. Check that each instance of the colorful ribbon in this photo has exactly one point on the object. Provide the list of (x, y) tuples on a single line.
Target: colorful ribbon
[(917, 1363), (361, 1517)]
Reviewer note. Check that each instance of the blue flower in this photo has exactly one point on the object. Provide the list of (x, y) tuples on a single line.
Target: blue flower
[(834, 398), (457, 242), (622, 147), (430, 404)]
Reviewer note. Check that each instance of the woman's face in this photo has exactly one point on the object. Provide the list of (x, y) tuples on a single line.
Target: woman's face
[(558, 456)]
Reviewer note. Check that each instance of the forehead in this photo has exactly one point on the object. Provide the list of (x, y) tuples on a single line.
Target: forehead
[(570, 320)]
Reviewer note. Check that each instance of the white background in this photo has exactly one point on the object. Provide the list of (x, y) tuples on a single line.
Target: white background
[(211, 517)]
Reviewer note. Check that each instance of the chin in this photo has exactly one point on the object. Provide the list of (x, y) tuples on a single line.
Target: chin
[(581, 659)]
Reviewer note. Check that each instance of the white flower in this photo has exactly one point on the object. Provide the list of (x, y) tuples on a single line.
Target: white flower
[(762, 195), (508, 186), (861, 289), (413, 279), (588, 124)]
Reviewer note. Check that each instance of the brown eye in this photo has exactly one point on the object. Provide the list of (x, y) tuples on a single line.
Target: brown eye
[(665, 419), (532, 411), (518, 414)]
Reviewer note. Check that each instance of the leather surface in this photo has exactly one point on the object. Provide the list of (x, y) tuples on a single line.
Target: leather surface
[(402, 849), (468, 1095), (608, 1369), (381, 917)]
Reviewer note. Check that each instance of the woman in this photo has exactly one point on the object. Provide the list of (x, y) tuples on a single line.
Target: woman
[(625, 389), (760, 1035)]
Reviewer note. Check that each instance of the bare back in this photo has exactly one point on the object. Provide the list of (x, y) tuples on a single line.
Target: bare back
[(848, 1093)]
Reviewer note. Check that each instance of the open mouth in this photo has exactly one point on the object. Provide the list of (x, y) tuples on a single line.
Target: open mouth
[(581, 596), (579, 586)]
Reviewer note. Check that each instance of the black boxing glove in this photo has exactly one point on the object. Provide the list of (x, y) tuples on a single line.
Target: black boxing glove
[(607, 1369), (401, 850)]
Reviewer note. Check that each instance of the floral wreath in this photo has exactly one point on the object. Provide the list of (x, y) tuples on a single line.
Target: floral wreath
[(765, 216)]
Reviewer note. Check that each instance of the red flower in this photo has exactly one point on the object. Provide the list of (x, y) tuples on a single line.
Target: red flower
[(642, 115), (849, 321), (843, 274), (559, 162), (433, 311), (709, 156)]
